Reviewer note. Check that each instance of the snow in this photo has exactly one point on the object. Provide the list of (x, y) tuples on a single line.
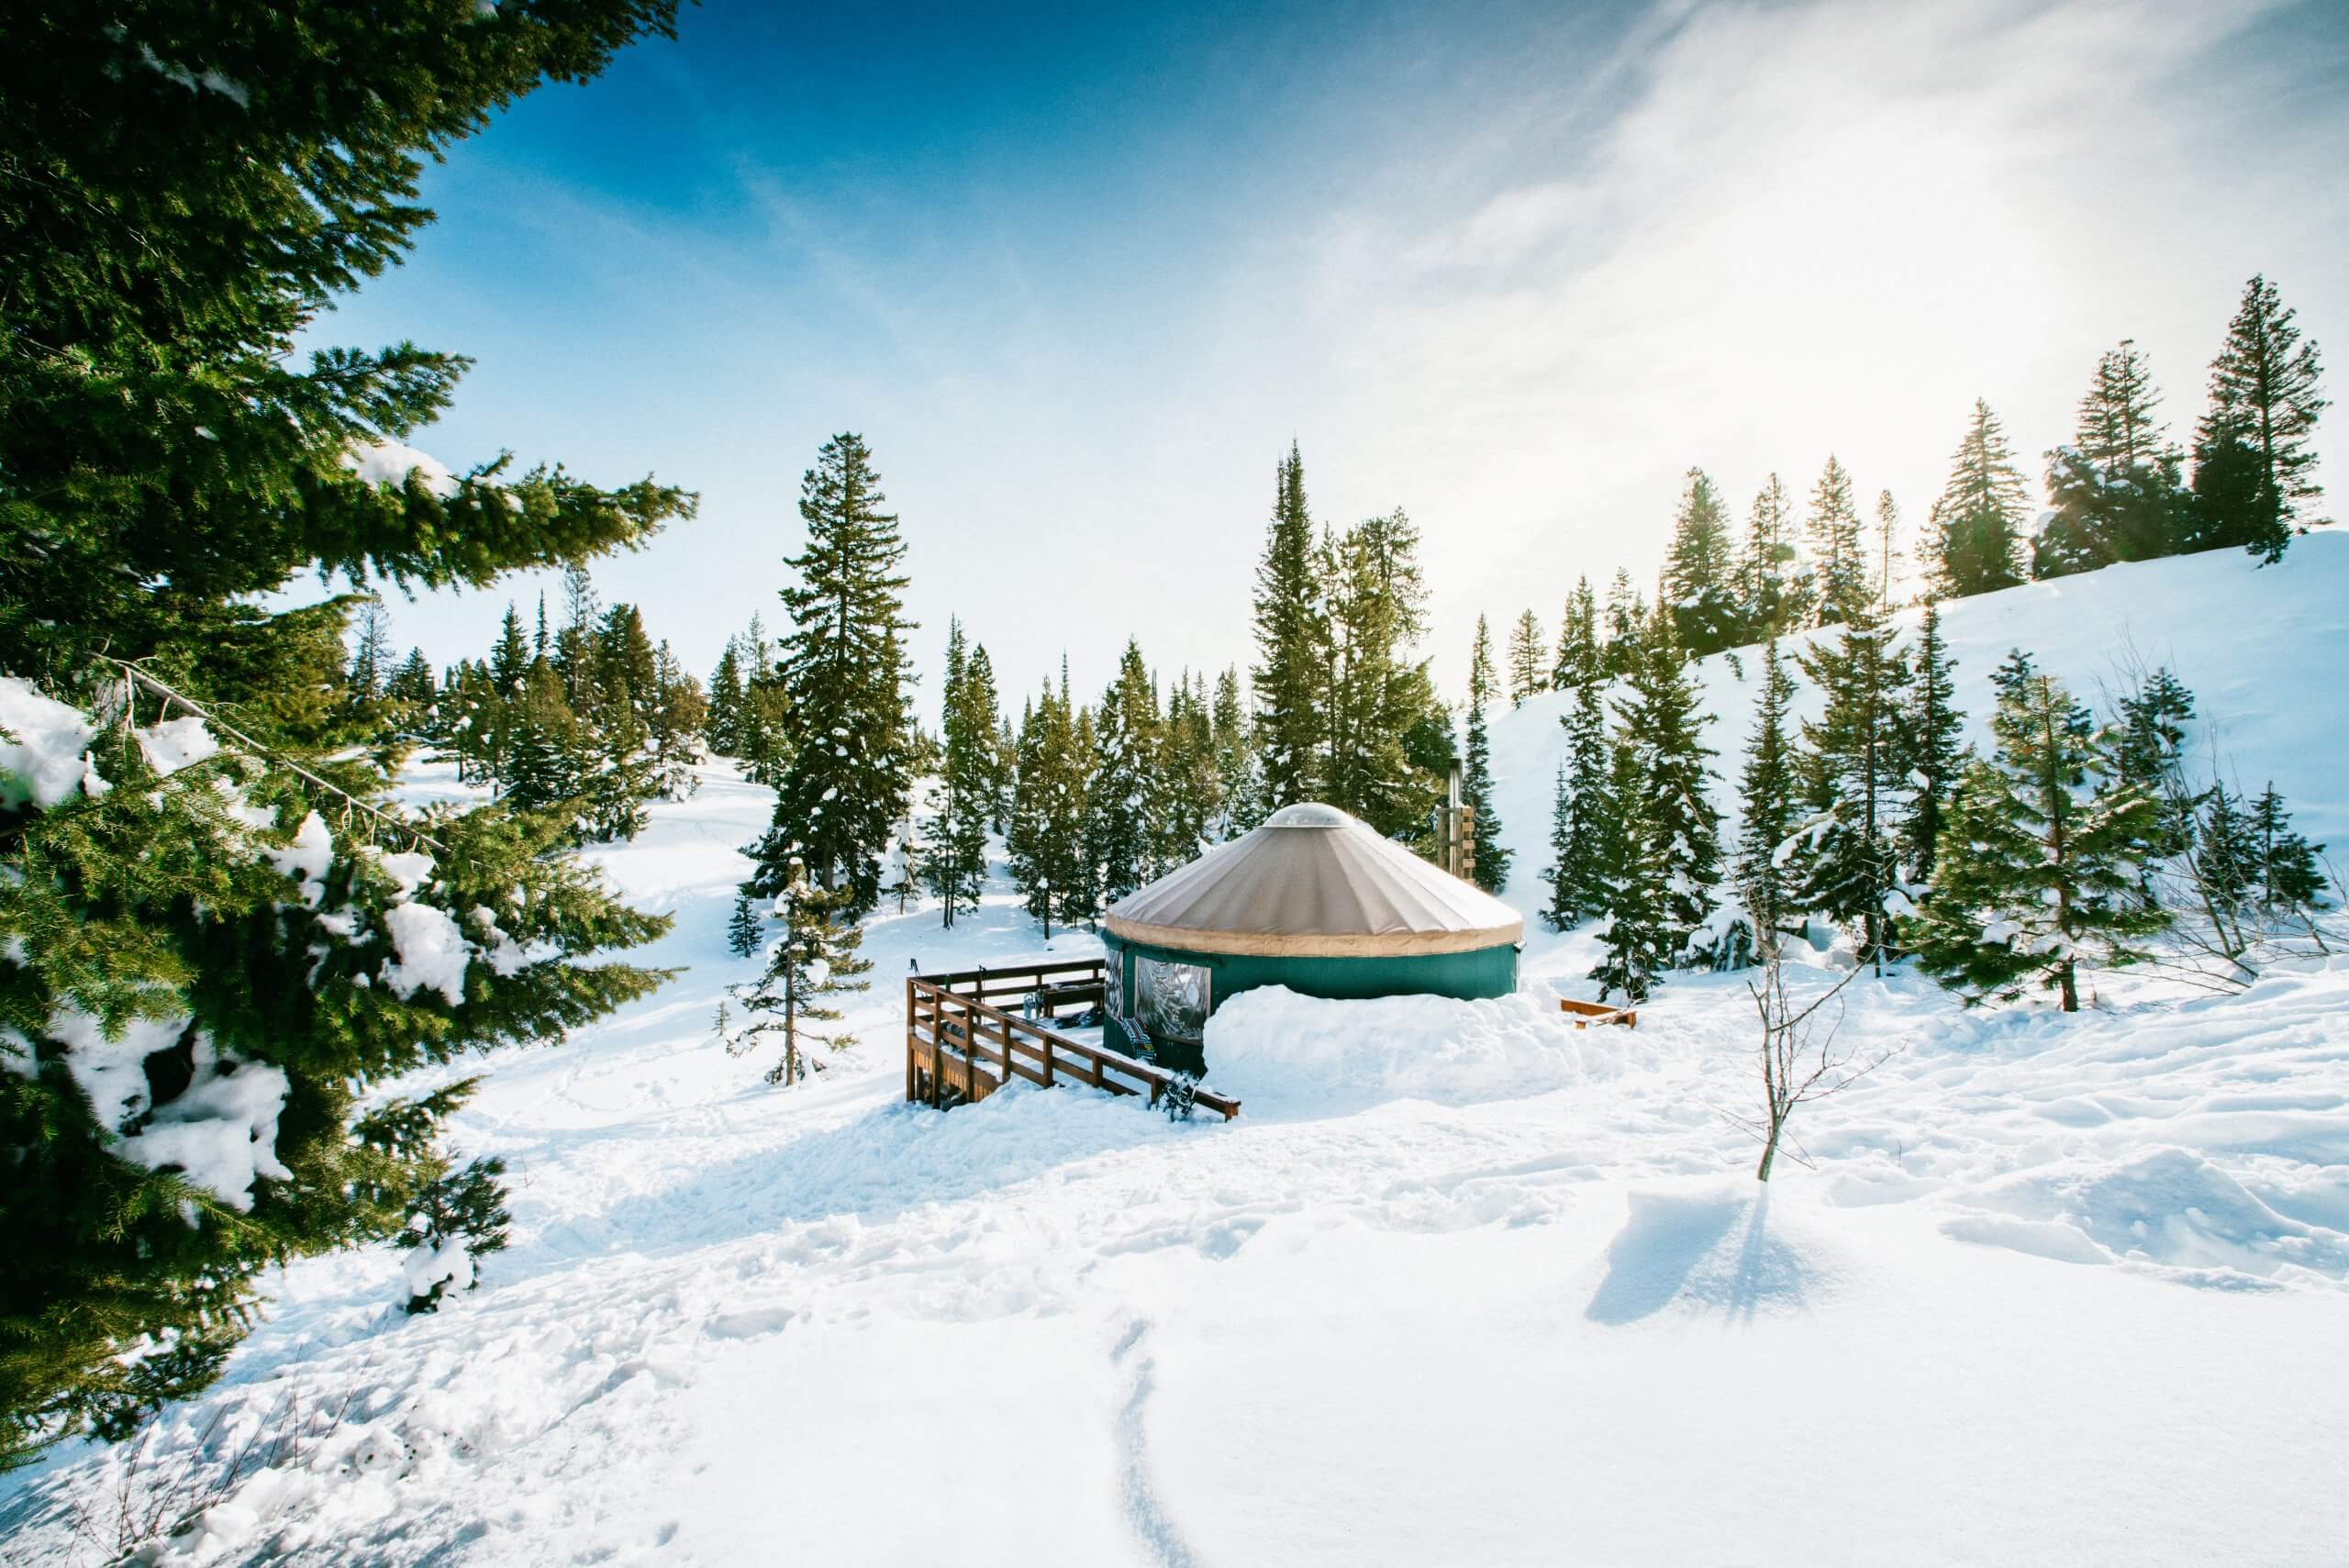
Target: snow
[(177, 743), (431, 953), (1461, 1284), (429, 1265), (307, 858), (384, 461), (221, 1131), (43, 747)]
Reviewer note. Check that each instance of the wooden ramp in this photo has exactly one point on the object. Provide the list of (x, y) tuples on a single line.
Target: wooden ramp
[(961, 1046)]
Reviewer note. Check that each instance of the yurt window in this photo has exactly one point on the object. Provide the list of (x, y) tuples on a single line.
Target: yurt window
[(1171, 999)]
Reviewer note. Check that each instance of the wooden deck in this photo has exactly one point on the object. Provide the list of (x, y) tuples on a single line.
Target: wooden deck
[(962, 1046)]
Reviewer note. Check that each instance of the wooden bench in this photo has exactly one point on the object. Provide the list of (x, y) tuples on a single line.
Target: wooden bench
[(1585, 1014)]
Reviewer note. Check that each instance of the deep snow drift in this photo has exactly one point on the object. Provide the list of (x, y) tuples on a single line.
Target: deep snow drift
[(1462, 1285)]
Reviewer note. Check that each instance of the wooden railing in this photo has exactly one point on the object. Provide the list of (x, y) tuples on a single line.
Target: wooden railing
[(960, 1047)]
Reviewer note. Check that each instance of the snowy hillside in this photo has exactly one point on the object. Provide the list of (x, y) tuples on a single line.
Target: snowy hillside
[(2265, 651), (1462, 1286)]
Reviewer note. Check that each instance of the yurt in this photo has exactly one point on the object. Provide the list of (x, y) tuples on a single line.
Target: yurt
[(1313, 900)]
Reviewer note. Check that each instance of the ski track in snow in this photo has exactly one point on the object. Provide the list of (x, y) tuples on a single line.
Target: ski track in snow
[(2039, 1289)]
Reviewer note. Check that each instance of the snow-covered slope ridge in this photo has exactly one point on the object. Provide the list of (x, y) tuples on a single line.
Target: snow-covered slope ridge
[(1462, 1286)]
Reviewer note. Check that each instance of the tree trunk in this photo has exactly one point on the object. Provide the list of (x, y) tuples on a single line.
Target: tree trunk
[(1769, 1150)]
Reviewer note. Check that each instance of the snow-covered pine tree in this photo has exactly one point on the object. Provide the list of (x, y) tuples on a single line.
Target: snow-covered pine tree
[(1700, 571), (811, 955), (676, 720), (2034, 875), (1046, 841), (452, 1216), (1124, 798), (2117, 488), (1839, 551), (1477, 768), (1933, 752), (1976, 534), (1579, 872), (548, 762), (1239, 786), (744, 929), (1771, 600), (1854, 782), (2255, 466), (1635, 940), (1527, 652), (843, 675), (1578, 656), (213, 943), (1292, 631), (1768, 814), (1661, 722)]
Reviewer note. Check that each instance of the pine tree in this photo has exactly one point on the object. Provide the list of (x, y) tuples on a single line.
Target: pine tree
[(1527, 649), (1769, 814), (1124, 799), (1663, 724), (2255, 468), (1046, 841), (1476, 772), (843, 675), (412, 685), (1771, 603), (1578, 655), (2290, 875), (1933, 752), (2116, 488), (2033, 876), (453, 1216), (1977, 524), (813, 956), (1854, 770), (1701, 571), (1291, 632), (1838, 550), (2149, 751), (744, 930), (1635, 942), (370, 653), (1239, 788), (1578, 873), (723, 730), (1888, 557), (171, 462), (969, 778), (1627, 621), (1377, 693), (1192, 788), (509, 661), (547, 762)]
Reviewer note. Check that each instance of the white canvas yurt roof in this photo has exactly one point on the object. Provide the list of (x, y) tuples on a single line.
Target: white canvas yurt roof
[(1313, 882)]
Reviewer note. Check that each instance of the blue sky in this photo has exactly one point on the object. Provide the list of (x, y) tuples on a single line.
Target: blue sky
[(1079, 275)]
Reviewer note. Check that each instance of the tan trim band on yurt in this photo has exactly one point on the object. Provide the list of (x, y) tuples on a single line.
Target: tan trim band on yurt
[(1313, 882)]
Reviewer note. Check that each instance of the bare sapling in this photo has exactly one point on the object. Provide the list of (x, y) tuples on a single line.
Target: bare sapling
[(1801, 1055)]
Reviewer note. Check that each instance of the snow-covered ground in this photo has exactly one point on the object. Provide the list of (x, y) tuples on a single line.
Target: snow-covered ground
[(1462, 1286)]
